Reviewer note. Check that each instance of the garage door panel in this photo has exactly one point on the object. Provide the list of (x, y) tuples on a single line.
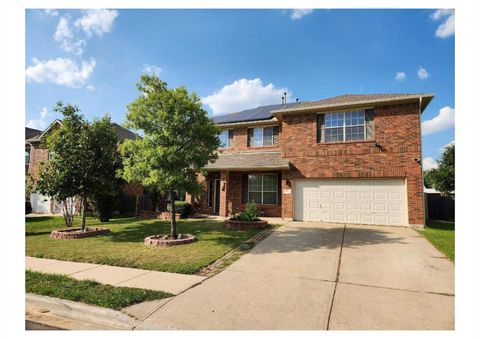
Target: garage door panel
[(366, 201)]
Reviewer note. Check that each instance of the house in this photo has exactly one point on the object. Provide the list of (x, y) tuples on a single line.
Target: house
[(35, 154), (347, 159)]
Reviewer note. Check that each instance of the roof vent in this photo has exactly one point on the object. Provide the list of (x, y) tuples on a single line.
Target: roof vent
[(285, 95)]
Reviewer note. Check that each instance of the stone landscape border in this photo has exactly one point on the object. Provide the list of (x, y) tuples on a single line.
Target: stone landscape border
[(77, 233), (245, 225), (163, 240)]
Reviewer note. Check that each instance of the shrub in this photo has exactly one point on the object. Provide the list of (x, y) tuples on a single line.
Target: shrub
[(182, 207), (250, 213), (103, 207)]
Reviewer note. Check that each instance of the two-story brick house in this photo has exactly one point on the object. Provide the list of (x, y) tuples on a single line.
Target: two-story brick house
[(348, 159), (36, 154)]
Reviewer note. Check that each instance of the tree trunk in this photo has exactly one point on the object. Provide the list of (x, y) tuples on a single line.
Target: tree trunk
[(173, 223), (84, 207)]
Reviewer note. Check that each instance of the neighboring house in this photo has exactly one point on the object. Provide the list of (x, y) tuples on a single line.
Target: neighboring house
[(35, 154), (347, 159)]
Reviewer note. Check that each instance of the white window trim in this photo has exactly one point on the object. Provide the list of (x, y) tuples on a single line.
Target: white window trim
[(344, 126), (228, 139), (262, 190), (263, 138)]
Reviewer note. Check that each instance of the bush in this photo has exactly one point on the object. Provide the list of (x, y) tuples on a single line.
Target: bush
[(28, 207), (182, 207), (250, 213), (103, 207)]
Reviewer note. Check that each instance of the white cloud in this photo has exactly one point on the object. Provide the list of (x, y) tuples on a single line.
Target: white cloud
[(429, 163), (39, 123), (242, 94), (447, 27), (422, 73), (90, 87), (66, 38), (444, 120), (60, 71), (151, 69), (400, 76), (441, 149), (297, 14), (50, 12), (98, 21)]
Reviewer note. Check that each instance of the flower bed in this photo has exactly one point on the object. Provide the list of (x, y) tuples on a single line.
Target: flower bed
[(167, 240), (77, 233), (245, 225)]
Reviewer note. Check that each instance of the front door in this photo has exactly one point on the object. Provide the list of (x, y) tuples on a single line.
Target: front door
[(216, 196)]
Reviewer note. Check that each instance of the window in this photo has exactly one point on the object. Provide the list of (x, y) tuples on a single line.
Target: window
[(225, 137), (344, 126), (263, 188), (50, 155), (263, 136), (27, 156)]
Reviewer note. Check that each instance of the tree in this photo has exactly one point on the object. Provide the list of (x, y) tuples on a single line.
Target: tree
[(81, 157), (179, 140), (442, 178)]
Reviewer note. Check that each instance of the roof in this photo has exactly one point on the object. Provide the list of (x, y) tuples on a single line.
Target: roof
[(268, 112), (31, 132), (121, 132), (248, 161), (253, 114)]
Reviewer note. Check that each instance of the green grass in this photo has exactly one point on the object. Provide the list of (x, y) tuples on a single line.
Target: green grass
[(123, 246), (88, 291), (442, 235)]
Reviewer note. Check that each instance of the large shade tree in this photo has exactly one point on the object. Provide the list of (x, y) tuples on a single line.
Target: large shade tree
[(442, 178), (81, 162), (178, 140)]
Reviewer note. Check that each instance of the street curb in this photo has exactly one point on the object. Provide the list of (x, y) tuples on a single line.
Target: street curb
[(98, 316)]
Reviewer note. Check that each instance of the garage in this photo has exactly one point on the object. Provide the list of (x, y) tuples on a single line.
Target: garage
[(360, 201)]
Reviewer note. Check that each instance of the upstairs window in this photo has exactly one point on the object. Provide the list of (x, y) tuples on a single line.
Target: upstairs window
[(27, 156), (226, 137), (263, 136), (345, 126)]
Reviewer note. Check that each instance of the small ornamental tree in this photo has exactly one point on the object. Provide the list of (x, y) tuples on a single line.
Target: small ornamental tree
[(178, 140), (81, 157), (442, 178)]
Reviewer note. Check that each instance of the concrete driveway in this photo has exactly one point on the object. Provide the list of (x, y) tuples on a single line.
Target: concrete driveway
[(323, 276)]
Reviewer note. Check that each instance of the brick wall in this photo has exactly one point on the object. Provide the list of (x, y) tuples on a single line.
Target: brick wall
[(396, 129), (37, 156), (239, 142)]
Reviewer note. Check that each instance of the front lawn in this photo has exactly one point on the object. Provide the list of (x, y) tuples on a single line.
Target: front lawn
[(442, 235), (88, 291), (123, 246)]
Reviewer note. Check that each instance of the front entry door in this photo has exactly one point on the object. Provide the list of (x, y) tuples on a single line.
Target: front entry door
[(216, 196)]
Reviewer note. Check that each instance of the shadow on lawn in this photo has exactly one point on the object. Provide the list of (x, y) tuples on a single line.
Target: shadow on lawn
[(204, 230), (441, 225)]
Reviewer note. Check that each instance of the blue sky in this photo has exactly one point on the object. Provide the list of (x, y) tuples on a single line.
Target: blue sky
[(235, 59)]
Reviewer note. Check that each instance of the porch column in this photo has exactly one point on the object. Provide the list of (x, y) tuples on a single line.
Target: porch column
[(224, 192), (287, 195)]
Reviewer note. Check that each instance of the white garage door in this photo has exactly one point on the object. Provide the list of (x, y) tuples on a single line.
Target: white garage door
[(40, 203), (362, 201)]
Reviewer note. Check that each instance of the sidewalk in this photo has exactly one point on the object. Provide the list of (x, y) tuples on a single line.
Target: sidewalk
[(117, 276)]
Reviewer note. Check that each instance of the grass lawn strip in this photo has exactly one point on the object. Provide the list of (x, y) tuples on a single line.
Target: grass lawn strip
[(124, 246), (88, 291), (442, 235)]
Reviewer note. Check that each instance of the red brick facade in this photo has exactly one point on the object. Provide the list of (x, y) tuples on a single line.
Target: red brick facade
[(395, 152)]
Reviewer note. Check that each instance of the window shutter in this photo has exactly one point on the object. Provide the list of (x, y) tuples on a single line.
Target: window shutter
[(279, 189), (249, 136), (320, 128), (230, 137), (369, 124), (275, 135), (244, 188)]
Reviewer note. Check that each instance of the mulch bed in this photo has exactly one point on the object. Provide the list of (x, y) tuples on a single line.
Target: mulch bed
[(77, 233)]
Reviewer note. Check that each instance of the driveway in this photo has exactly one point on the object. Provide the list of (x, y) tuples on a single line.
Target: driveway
[(323, 276)]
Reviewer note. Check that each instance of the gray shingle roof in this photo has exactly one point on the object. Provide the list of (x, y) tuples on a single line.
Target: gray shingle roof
[(31, 132), (265, 112), (249, 161)]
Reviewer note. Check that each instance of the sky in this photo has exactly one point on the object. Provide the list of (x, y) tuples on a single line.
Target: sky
[(239, 59)]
